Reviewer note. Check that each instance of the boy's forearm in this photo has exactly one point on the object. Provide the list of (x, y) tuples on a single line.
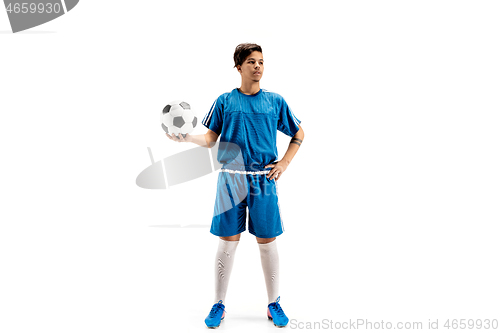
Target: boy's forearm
[(290, 153), (294, 146), (200, 140)]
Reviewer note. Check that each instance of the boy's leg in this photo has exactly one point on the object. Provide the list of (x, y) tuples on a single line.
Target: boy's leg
[(270, 265), (224, 260), (264, 222)]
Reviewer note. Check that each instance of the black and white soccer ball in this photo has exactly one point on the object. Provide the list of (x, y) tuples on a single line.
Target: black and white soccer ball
[(178, 118)]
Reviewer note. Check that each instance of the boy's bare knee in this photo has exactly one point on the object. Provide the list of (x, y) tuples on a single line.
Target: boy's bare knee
[(264, 240), (231, 238)]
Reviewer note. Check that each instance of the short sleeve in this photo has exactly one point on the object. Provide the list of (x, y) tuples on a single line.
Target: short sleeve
[(287, 122), (213, 119)]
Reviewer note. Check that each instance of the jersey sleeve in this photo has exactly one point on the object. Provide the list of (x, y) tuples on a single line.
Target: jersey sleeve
[(287, 122), (213, 119)]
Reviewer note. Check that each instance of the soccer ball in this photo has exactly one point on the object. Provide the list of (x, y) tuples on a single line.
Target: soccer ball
[(178, 118)]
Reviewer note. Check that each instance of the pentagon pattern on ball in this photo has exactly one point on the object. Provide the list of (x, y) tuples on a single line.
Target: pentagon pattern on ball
[(177, 117), (179, 121)]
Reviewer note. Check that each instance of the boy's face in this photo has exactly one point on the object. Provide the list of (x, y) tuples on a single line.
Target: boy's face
[(253, 67)]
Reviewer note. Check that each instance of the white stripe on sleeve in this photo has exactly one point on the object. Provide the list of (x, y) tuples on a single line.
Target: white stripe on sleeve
[(206, 121)]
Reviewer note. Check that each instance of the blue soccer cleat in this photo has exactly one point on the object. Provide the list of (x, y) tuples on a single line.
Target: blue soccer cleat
[(275, 312), (216, 315)]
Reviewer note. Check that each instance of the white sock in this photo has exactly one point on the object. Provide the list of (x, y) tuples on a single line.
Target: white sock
[(223, 267), (270, 265)]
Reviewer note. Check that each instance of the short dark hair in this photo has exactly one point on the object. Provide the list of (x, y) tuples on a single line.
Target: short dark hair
[(242, 51)]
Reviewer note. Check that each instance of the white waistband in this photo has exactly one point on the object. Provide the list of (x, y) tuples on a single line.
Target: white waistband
[(263, 172)]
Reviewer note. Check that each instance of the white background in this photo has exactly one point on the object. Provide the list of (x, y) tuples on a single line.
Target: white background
[(391, 206)]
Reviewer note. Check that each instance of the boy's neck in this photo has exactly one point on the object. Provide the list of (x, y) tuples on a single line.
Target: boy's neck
[(249, 88)]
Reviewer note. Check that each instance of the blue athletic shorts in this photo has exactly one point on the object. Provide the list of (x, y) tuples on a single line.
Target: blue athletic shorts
[(239, 190)]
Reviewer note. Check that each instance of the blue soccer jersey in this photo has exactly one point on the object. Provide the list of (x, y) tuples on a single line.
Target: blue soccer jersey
[(251, 122)]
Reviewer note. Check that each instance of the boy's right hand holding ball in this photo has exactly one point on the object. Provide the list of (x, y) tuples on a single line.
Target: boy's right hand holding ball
[(179, 138)]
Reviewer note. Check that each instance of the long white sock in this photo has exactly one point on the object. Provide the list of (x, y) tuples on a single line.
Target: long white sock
[(270, 265), (223, 267)]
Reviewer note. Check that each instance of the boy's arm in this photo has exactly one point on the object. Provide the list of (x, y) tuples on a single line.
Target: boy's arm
[(293, 147)]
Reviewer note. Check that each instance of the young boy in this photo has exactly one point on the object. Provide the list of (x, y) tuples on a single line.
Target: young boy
[(248, 118)]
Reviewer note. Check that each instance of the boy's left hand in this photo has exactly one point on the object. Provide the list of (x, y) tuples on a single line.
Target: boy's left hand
[(277, 170)]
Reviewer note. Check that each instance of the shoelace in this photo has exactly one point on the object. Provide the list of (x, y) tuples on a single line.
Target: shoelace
[(215, 309), (277, 307)]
